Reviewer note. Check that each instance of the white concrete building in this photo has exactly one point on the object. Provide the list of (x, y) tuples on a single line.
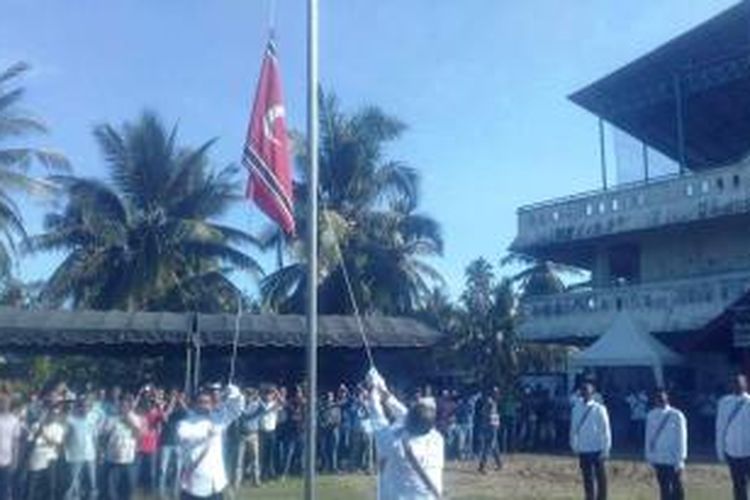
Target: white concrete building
[(674, 251)]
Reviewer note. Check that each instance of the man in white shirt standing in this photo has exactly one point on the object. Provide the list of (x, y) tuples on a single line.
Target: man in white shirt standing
[(81, 435), (666, 445), (10, 434), (591, 440), (248, 455), (410, 450), (44, 441), (270, 407), (121, 434), (200, 435), (733, 435)]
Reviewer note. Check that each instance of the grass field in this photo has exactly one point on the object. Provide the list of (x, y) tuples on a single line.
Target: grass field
[(525, 477)]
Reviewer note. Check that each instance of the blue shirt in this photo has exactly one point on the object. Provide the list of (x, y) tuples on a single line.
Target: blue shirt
[(81, 436)]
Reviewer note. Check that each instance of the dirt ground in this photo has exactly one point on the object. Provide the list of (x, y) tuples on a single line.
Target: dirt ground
[(524, 477), (527, 477)]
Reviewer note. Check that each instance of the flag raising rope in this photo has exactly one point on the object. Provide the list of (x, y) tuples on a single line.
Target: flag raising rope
[(350, 290), (236, 340)]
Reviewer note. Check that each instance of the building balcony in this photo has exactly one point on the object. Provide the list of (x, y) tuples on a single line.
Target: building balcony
[(645, 205), (667, 306)]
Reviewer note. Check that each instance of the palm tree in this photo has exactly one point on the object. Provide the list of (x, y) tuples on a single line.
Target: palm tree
[(369, 223), (15, 161), (485, 340), (540, 277), (148, 238)]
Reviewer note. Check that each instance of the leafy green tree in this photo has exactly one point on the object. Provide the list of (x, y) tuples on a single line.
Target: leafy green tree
[(540, 277), (149, 238), (16, 159), (369, 220), (485, 340)]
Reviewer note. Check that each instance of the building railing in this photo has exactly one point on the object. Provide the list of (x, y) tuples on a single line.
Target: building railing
[(677, 305), (668, 200)]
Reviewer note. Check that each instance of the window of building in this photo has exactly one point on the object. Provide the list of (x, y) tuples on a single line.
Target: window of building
[(602, 207), (589, 209), (720, 183), (689, 190), (624, 264), (736, 180), (615, 205), (555, 216), (704, 187)]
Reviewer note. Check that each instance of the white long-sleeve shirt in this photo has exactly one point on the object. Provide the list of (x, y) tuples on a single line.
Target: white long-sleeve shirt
[(668, 446), (398, 479), (202, 436), (733, 438), (593, 434), (44, 449)]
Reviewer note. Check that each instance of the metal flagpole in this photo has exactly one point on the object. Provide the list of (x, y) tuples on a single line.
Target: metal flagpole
[(312, 247)]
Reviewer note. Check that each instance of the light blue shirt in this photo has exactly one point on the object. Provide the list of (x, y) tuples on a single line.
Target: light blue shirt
[(81, 436)]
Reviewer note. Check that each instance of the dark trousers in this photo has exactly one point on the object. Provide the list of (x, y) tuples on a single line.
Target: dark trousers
[(146, 466), (331, 439), (6, 478), (670, 482), (120, 481), (267, 454), (41, 484), (594, 475), (187, 496), (489, 446), (739, 468)]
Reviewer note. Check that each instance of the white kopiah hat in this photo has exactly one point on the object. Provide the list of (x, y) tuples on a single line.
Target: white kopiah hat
[(429, 402)]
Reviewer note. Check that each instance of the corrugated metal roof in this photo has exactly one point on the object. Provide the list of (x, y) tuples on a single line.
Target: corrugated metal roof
[(708, 68), (70, 329)]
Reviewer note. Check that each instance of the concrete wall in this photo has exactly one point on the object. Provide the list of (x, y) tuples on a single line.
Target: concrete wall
[(718, 246), (596, 216)]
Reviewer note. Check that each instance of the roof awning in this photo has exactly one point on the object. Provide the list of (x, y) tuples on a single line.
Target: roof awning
[(708, 69), (626, 344), (27, 329)]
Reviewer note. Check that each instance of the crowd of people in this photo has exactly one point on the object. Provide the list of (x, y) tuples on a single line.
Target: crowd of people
[(57, 443)]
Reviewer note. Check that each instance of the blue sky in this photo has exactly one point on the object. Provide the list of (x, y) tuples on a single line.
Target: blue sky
[(482, 85)]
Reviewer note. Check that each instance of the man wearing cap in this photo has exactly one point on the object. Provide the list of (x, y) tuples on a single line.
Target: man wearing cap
[(591, 440), (200, 436), (410, 449), (666, 445), (733, 435)]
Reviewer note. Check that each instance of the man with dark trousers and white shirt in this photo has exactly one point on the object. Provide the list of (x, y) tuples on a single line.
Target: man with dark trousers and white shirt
[(666, 445), (201, 436), (733, 435), (591, 440)]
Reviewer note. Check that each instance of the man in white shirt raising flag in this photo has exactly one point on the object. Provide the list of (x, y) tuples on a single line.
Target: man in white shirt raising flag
[(666, 445), (410, 450), (201, 437)]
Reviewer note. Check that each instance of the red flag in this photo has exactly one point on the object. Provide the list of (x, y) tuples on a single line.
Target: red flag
[(266, 153)]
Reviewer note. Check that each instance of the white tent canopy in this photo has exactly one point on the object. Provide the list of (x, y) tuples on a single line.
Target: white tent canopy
[(625, 344)]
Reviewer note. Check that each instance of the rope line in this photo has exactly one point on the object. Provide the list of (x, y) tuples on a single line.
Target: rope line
[(236, 341), (350, 291)]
